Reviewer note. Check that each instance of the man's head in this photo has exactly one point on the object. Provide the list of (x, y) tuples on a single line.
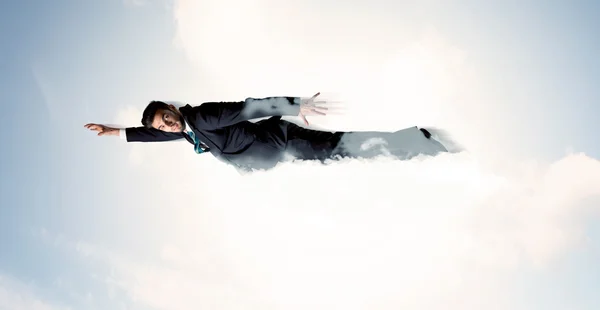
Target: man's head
[(162, 116)]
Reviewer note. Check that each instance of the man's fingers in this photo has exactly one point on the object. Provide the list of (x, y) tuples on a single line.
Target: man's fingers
[(324, 102), (316, 110), (304, 119), (336, 111), (310, 101), (98, 128), (314, 106)]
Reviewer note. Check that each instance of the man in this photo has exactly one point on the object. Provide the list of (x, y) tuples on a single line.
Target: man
[(224, 130)]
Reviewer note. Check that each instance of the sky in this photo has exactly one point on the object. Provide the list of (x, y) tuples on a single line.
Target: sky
[(91, 222)]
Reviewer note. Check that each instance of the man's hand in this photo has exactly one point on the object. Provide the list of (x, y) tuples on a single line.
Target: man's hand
[(103, 130), (308, 106)]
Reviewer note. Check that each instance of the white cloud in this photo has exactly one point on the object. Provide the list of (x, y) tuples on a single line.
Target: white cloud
[(446, 232), (433, 232), (15, 295), (388, 75)]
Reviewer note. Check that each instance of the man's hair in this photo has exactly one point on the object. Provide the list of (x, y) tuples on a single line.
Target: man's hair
[(150, 111)]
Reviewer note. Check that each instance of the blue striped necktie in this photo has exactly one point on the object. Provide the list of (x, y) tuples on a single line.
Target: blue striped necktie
[(198, 145)]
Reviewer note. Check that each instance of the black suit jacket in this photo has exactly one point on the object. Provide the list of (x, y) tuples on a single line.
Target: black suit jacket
[(225, 128)]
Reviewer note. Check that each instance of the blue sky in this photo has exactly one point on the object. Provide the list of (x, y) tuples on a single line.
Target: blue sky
[(77, 212)]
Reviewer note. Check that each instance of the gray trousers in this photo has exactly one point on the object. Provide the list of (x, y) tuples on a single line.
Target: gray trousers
[(403, 144)]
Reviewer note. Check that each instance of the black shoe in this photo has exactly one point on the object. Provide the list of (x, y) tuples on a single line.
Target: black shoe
[(425, 132)]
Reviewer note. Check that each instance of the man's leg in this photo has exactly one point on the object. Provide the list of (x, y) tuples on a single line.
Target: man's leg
[(308, 144), (321, 145), (402, 144)]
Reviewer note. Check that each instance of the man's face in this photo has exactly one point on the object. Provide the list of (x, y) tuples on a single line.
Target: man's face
[(168, 120)]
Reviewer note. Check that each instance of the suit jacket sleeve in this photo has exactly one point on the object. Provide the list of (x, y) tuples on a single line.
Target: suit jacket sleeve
[(143, 134), (210, 115)]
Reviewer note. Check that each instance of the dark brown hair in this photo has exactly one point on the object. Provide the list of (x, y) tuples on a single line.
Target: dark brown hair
[(150, 111)]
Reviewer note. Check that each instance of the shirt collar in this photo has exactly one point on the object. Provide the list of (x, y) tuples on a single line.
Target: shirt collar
[(187, 126)]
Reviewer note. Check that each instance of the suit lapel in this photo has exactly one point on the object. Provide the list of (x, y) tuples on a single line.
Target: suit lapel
[(186, 111)]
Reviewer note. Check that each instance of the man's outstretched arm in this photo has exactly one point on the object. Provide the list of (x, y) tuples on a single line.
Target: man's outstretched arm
[(210, 115), (135, 134)]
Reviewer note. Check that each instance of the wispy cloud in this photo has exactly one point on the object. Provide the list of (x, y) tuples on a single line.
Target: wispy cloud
[(16, 295), (450, 232), (446, 232), (423, 234), (411, 76)]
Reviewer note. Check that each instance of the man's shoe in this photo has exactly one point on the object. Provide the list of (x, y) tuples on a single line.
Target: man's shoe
[(425, 132)]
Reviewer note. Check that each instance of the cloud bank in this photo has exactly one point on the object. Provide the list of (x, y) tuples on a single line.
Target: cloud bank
[(388, 75), (443, 232), (451, 231)]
